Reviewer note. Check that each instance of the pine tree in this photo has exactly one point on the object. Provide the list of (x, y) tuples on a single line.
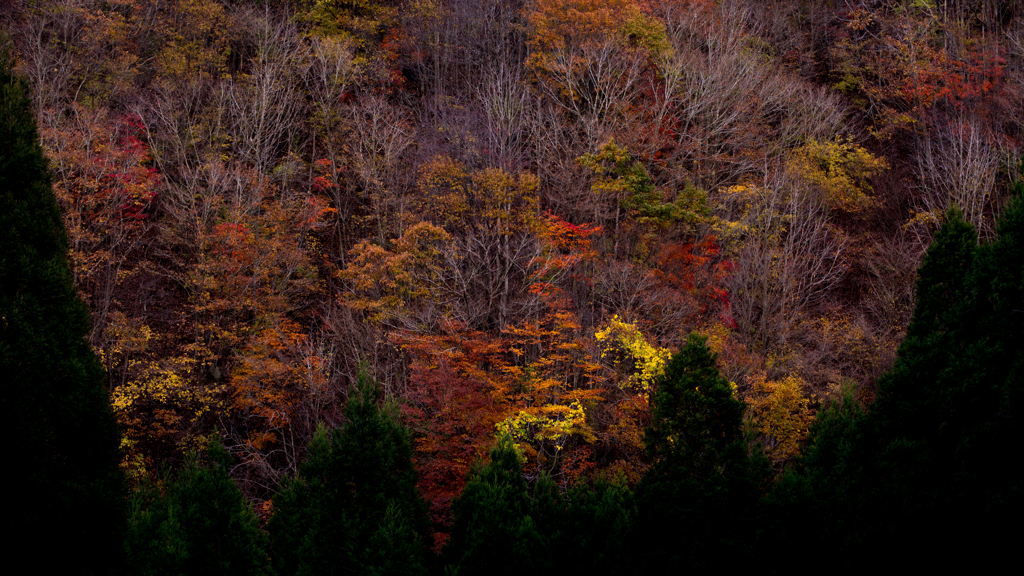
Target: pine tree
[(494, 530), (66, 487), (597, 524), (354, 506), (198, 524), (927, 474), (698, 500)]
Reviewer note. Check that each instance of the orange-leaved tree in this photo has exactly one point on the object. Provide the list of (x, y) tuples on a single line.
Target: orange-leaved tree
[(106, 185), (592, 56)]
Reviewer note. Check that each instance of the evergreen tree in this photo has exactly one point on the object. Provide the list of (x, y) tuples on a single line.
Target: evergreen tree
[(494, 531), (66, 485), (198, 524), (500, 527), (698, 500), (926, 471), (354, 506), (872, 483), (911, 393), (813, 501), (947, 413), (598, 522), (549, 511)]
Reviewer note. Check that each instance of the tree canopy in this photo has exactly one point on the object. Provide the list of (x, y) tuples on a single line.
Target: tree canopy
[(69, 490)]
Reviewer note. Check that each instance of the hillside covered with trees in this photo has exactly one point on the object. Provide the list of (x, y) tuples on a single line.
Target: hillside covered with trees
[(489, 286)]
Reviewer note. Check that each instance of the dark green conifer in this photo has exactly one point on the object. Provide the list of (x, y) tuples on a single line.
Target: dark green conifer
[(926, 475), (354, 506), (197, 523), (549, 512), (698, 500), (910, 394), (494, 531), (816, 502), (947, 413), (65, 485), (500, 527), (598, 523)]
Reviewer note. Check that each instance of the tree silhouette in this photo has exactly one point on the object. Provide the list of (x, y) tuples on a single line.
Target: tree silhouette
[(354, 505), (68, 485), (697, 501)]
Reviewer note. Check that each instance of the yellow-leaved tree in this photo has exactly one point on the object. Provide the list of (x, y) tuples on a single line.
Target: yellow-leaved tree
[(638, 364), (781, 414), (552, 380), (626, 348), (841, 169)]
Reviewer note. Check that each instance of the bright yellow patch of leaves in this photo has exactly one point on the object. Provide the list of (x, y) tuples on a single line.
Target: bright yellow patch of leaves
[(553, 422), (781, 414), (626, 346), (839, 167)]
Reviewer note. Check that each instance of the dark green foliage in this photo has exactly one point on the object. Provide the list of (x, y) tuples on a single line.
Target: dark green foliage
[(494, 531), (905, 449), (583, 531), (910, 394), (832, 436), (550, 515), (947, 415), (501, 529), (354, 506), (197, 523), (698, 500), (892, 465), (930, 468), (811, 503), (943, 279), (694, 416), (67, 494), (595, 529)]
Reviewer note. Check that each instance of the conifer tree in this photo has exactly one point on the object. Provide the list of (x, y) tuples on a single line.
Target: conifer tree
[(65, 485), (594, 530), (198, 524), (871, 481), (354, 506), (494, 530), (926, 471), (813, 500), (698, 500), (947, 413), (551, 517), (908, 393), (503, 527)]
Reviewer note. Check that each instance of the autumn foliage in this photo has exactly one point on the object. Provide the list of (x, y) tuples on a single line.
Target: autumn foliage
[(512, 216)]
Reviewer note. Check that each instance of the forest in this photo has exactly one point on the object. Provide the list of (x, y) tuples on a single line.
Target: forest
[(506, 286)]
